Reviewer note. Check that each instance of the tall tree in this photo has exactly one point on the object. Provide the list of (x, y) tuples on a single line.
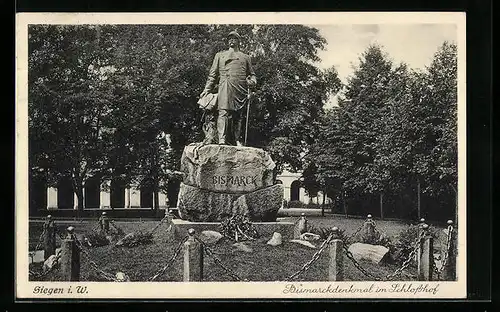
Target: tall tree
[(67, 103)]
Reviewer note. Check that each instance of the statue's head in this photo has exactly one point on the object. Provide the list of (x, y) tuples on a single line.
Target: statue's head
[(234, 39)]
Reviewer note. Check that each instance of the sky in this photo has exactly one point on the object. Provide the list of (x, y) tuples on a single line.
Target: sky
[(414, 44)]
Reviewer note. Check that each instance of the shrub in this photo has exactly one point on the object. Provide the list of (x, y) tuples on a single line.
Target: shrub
[(97, 239), (238, 226), (404, 243), (323, 232), (136, 239)]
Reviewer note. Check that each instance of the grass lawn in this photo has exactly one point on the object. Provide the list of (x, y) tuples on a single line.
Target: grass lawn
[(265, 263)]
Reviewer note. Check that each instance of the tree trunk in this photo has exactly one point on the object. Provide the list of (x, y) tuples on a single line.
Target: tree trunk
[(381, 205), (418, 200), (344, 204), (155, 200), (323, 204), (456, 203)]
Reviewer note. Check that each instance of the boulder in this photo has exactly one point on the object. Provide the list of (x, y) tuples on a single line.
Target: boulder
[(275, 240), (373, 253), (52, 260), (303, 242), (225, 168), (110, 238), (309, 237), (129, 236), (242, 247), (199, 205), (121, 277), (210, 237)]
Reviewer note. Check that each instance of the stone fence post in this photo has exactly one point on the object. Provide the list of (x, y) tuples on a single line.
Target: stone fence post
[(426, 259), (368, 233), (419, 232), (49, 238), (450, 268), (193, 259), (300, 226), (336, 261), (70, 257)]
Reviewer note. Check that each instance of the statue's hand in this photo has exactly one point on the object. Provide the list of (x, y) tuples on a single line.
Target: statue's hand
[(202, 94), (251, 81)]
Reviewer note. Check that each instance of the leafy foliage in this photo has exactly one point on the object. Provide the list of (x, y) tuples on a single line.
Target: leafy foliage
[(402, 245), (394, 128), (239, 228), (137, 238), (119, 101), (323, 232), (96, 239)]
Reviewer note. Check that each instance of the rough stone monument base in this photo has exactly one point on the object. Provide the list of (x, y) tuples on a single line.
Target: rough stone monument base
[(265, 229)]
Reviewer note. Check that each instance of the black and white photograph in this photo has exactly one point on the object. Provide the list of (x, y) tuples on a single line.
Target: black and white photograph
[(218, 155)]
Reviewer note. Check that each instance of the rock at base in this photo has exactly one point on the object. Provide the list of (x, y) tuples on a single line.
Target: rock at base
[(373, 253), (210, 237), (275, 240), (303, 242), (180, 228), (225, 168), (242, 247), (198, 205), (309, 237), (121, 277), (52, 260), (125, 239)]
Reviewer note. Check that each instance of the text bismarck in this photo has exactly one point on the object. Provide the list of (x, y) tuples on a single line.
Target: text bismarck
[(234, 180), (42, 290)]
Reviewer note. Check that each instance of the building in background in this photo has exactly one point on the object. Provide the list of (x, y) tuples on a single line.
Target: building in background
[(116, 195)]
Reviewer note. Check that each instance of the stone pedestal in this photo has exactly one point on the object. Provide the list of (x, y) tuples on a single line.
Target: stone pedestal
[(222, 180)]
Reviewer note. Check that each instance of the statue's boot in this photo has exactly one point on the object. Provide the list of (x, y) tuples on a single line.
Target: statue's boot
[(238, 123), (223, 126)]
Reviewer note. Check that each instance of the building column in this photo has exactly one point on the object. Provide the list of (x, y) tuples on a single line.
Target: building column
[(51, 198), (162, 200), (105, 195), (127, 198), (135, 198), (303, 196), (286, 193)]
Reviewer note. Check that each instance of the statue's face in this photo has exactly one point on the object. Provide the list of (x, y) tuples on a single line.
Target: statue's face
[(233, 42)]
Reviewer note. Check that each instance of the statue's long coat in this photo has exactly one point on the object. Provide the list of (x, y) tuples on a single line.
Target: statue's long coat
[(230, 69)]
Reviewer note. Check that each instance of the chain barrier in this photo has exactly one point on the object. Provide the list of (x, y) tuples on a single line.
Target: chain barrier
[(105, 275), (211, 254), (357, 265), (170, 261), (411, 256), (348, 239), (404, 266), (158, 225), (96, 227), (314, 258), (449, 237), (31, 254), (46, 272), (119, 229)]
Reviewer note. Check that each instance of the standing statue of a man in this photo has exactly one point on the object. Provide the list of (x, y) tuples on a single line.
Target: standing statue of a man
[(232, 71)]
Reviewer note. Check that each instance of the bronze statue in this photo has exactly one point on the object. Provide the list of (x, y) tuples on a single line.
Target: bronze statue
[(233, 73)]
